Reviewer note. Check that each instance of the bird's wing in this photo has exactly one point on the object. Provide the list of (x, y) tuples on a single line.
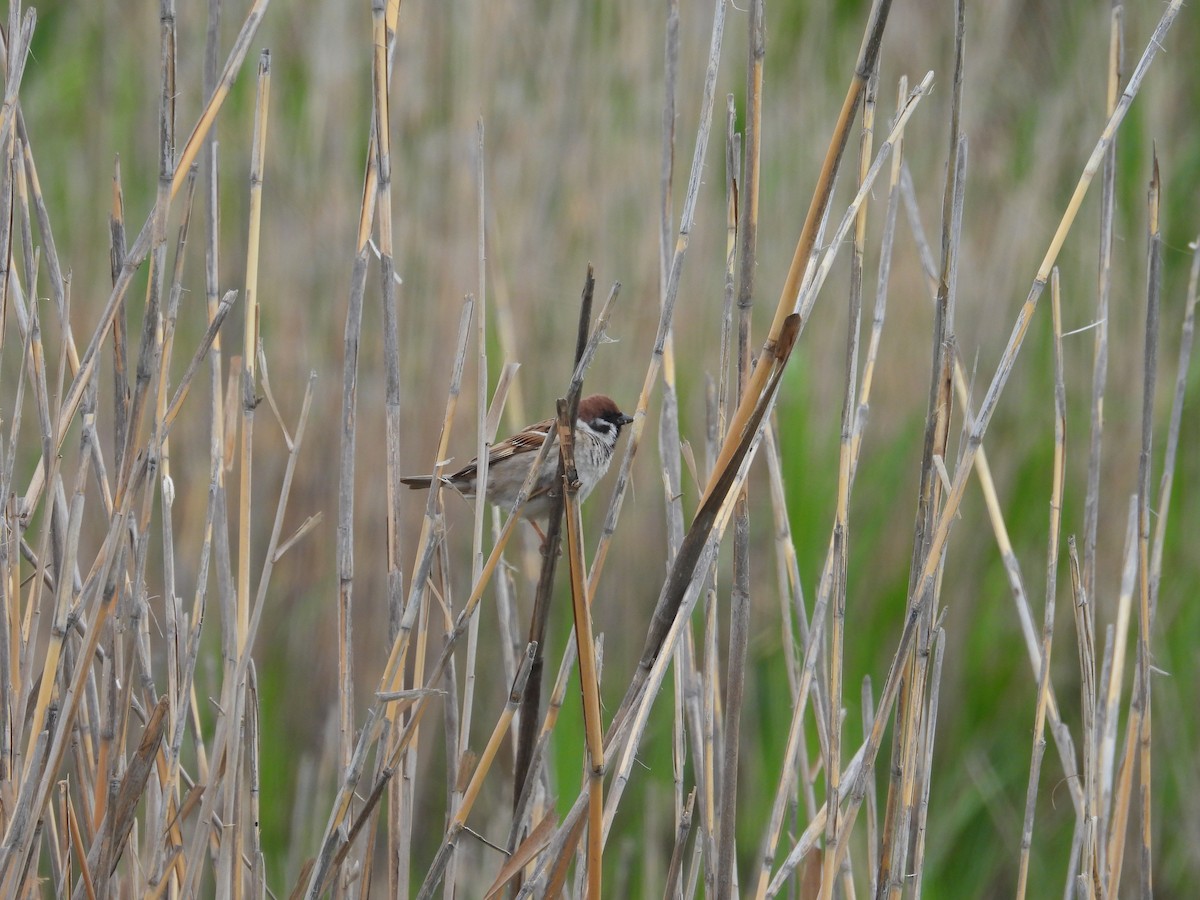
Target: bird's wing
[(529, 440)]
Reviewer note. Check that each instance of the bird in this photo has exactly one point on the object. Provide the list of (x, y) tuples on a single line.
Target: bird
[(597, 429)]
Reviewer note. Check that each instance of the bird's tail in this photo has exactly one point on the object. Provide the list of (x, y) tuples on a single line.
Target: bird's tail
[(417, 482)]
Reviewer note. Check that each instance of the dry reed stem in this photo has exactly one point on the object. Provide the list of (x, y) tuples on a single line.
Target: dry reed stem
[(142, 245), (745, 206), (1187, 336), (841, 527), (906, 773), (1052, 555), (229, 864), (348, 441), (674, 888), (1012, 566), (1091, 511), (930, 733), (1145, 604), (873, 856), (233, 685), (401, 809), (1116, 788), (589, 678), (484, 437), (825, 584), (1089, 864), (250, 345), (669, 449), (551, 544), (20, 35)]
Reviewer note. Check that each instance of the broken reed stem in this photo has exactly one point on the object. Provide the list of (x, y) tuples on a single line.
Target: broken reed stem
[(532, 700), (400, 822), (1052, 556), (589, 678)]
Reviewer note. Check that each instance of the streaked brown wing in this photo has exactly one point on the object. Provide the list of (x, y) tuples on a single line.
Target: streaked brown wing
[(527, 441)]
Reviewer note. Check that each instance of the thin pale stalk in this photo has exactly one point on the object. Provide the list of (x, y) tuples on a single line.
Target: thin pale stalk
[(745, 205), (1056, 492), (1115, 795), (1091, 509), (925, 781), (841, 527), (1145, 604), (483, 440), (1170, 454), (1090, 865)]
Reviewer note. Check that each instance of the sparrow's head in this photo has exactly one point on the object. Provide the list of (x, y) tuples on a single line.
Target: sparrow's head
[(603, 416)]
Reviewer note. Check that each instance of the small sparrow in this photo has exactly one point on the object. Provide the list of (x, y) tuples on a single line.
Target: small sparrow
[(596, 431)]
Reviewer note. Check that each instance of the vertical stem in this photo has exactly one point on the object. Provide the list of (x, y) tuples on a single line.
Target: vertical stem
[(1056, 492), (746, 213), (1153, 294)]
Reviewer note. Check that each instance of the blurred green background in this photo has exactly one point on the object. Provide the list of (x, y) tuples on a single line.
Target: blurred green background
[(571, 97)]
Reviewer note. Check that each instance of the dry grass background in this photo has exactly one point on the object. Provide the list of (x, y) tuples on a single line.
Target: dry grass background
[(571, 98)]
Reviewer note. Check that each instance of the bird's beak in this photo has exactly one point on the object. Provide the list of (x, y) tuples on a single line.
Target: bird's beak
[(624, 420)]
